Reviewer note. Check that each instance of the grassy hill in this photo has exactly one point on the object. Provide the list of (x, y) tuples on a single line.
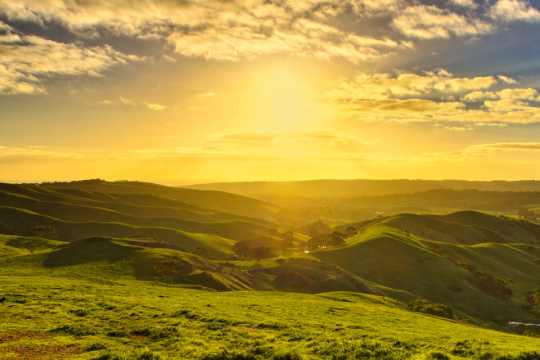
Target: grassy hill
[(233, 229), (484, 267), (86, 300), (385, 255), (24, 222), (140, 205), (211, 199)]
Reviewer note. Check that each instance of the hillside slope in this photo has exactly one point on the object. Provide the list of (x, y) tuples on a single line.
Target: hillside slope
[(211, 199), (385, 255), (24, 222)]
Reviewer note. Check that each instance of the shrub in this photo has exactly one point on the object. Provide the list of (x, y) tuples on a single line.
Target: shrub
[(77, 330), (485, 281), (438, 356), (422, 306), (5, 228), (485, 326), (287, 355), (96, 346), (436, 249)]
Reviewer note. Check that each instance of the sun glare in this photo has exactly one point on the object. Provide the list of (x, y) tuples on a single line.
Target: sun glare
[(287, 108)]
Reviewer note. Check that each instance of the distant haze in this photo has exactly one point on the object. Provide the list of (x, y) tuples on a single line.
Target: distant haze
[(363, 187)]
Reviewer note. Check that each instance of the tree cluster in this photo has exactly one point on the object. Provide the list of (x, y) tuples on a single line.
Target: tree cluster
[(5, 228), (246, 249), (485, 281), (527, 215), (440, 310), (45, 232), (334, 239)]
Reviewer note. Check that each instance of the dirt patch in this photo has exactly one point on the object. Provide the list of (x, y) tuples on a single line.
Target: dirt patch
[(44, 352), (139, 338), (26, 335)]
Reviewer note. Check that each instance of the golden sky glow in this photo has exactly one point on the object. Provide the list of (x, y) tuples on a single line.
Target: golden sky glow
[(200, 90)]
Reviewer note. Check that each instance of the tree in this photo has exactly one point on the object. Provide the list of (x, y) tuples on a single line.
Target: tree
[(211, 232), (350, 232), (288, 239), (202, 252), (45, 232), (262, 252), (302, 246), (273, 232), (318, 228), (536, 298), (243, 248), (166, 270), (30, 246), (5, 229), (313, 244), (337, 239)]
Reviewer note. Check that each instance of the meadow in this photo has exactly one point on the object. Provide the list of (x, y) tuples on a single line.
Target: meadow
[(405, 286)]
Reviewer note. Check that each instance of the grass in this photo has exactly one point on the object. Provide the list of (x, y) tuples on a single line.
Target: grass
[(147, 321), (94, 297)]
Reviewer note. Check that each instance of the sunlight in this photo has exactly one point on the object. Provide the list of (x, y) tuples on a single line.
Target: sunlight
[(287, 108)]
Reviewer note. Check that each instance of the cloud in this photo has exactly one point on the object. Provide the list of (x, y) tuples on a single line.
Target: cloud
[(155, 107), (387, 86), (411, 98), (208, 94), (506, 79), (458, 128), (26, 61), (34, 154), (334, 138), (430, 22), (464, 3), (127, 101), (514, 10), (505, 146), (477, 96), (222, 30)]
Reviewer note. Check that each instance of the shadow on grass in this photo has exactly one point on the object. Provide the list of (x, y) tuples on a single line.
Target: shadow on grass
[(89, 250)]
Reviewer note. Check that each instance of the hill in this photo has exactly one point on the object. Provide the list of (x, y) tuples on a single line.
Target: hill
[(88, 299), (24, 222), (219, 200), (233, 229), (362, 187)]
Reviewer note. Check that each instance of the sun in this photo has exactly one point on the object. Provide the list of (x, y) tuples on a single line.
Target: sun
[(287, 108)]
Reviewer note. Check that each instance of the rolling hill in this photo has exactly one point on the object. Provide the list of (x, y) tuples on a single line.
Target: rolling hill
[(484, 267)]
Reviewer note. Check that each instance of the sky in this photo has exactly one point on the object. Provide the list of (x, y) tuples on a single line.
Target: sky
[(192, 91)]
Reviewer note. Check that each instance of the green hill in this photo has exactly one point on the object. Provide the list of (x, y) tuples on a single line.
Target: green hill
[(211, 199), (24, 222), (237, 230), (88, 300), (385, 255), (140, 205)]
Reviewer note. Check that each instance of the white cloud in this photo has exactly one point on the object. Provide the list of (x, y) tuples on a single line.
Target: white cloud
[(155, 107), (464, 3), (27, 60), (208, 94), (477, 96), (127, 101), (514, 10), (387, 86), (430, 22)]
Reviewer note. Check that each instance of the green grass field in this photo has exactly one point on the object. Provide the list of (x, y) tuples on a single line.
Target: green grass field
[(92, 293)]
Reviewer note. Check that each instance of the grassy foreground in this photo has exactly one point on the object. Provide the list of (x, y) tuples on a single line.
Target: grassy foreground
[(78, 318)]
